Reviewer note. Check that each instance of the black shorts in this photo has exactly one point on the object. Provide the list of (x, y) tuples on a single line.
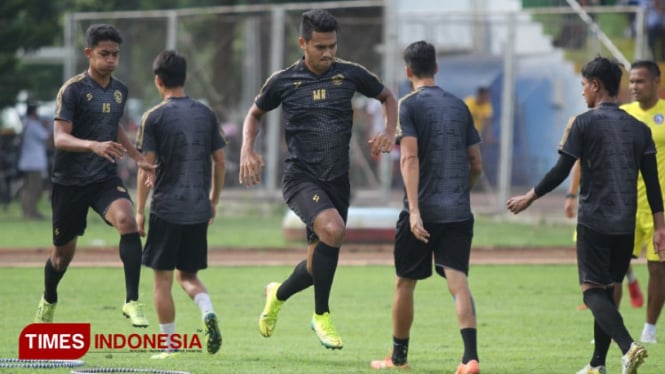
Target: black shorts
[(70, 206), (308, 197), (449, 242), (602, 259), (172, 246)]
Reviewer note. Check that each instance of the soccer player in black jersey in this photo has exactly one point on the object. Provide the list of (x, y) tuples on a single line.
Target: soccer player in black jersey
[(315, 93), (88, 142), (184, 138), (440, 163), (613, 147)]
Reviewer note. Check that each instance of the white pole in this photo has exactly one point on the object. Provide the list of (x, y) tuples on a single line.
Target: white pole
[(390, 71), (273, 117), (507, 117), (69, 65)]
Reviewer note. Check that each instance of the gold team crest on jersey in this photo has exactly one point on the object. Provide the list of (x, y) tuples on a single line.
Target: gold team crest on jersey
[(121, 189), (88, 96), (297, 84), (337, 79), (117, 95)]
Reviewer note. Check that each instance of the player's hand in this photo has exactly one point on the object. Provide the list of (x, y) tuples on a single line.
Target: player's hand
[(570, 207), (659, 243), (149, 170), (214, 212), (517, 204), (111, 151), (140, 223), (417, 227), (381, 143), (251, 167)]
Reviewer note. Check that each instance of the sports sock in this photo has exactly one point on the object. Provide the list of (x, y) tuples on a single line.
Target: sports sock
[(130, 254), (607, 316), (202, 300), (324, 264), (168, 329), (470, 345), (52, 278), (400, 351), (648, 328), (296, 282), (601, 346), (630, 275)]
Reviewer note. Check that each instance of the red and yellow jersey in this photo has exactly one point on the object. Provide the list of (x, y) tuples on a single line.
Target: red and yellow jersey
[(654, 117)]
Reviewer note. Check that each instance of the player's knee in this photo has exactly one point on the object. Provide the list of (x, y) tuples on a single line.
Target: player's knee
[(332, 233), (125, 223)]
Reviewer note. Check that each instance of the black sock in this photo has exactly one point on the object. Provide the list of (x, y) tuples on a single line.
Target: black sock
[(324, 264), (607, 316), (601, 346), (296, 282), (400, 351), (51, 280), (470, 345), (130, 254)]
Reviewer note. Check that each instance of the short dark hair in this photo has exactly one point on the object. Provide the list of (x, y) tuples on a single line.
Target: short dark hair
[(318, 20), (97, 33), (651, 66), (607, 71), (420, 57), (171, 68)]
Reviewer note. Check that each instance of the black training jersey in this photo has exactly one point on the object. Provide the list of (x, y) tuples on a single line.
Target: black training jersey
[(610, 144), (318, 114), (183, 133), (444, 129), (94, 112)]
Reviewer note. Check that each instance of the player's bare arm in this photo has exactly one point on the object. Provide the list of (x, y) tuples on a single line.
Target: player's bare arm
[(384, 142), (475, 164), (570, 206), (64, 140), (218, 174), (251, 163), (132, 152), (410, 168), (142, 191)]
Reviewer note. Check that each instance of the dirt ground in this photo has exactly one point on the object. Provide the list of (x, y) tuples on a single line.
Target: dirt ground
[(352, 254)]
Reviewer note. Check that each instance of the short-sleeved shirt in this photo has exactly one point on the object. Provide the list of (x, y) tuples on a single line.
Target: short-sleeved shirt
[(610, 144), (444, 129), (183, 133), (95, 113), (653, 117), (318, 114)]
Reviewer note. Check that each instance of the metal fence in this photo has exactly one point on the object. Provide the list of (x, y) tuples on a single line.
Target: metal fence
[(529, 57)]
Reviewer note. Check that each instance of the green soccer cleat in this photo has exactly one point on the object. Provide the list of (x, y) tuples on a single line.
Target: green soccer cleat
[(45, 311), (588, 369), (324, 329), (633, 359), (213, 337), (134, 311), (268, 317)]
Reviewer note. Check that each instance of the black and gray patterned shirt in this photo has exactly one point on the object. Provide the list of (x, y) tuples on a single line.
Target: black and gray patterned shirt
[(610, 144), (444, 129), (318, 114), (183, 133), (95, 113)]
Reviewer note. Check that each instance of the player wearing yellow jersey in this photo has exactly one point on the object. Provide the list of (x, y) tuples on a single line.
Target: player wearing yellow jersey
[(649, 108)]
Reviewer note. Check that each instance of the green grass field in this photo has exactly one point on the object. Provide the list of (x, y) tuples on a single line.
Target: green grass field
[(528, 322)]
